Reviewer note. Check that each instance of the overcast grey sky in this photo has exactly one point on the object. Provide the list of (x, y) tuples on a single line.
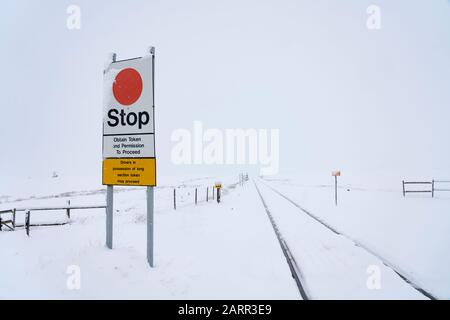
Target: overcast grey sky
[(343, 96)]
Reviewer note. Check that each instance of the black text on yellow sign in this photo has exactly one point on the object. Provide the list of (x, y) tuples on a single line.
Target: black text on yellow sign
[(129, 172)]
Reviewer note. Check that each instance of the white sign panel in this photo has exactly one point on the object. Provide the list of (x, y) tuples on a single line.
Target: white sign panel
[(128, 121)]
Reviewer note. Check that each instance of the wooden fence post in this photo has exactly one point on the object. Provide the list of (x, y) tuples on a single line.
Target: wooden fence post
[(27, 222), (195, 196), (403, 183), (432, 188), (174, 199), (14, 218), (207, 195), (68, 210)]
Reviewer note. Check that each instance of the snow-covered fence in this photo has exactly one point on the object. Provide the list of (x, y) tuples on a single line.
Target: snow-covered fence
[(187, 195), (424, 184), (27, 211), (429, 186), (5, 223), (439, 183), (10, 224)]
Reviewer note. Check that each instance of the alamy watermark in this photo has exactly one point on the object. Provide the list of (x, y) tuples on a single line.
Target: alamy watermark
[(73, 21), (374, 17), (74, 277), (374, 279), (230, 146)]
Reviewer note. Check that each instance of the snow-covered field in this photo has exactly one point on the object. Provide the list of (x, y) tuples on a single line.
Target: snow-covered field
[(229, 250), (208, 251), (411, 232)]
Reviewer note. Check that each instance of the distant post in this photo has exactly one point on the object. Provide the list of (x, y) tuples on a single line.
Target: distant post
[(218, 186), (335, 174), (432, 188), (27, 222), (68, 209), (174, 199), (335, 189)]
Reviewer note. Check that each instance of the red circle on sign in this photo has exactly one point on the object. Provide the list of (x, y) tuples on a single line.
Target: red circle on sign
[(127, 87)]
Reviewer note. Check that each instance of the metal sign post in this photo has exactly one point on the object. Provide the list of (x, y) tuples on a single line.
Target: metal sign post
[(129, 152), (335, 174), (335, 190), (150, 190), (150, 226), (109, 216)]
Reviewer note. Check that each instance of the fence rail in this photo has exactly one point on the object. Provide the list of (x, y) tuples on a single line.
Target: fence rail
[(28, 210), (11, 224), (432, 189), (50, 208), (441, 182)]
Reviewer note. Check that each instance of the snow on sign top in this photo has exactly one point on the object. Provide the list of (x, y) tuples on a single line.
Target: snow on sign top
[(128, 97)]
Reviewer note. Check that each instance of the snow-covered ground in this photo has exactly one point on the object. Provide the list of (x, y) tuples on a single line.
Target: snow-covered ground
[(229, 250), (411, 232), (208, 251)]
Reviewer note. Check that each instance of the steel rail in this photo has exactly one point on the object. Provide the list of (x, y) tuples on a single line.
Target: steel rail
[(295, 270), (387, 263)]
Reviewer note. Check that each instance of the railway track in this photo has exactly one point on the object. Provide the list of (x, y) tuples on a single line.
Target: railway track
[(296, 270)]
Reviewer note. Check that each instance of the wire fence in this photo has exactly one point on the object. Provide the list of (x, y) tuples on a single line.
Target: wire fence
[(181, 197), (11, 224)]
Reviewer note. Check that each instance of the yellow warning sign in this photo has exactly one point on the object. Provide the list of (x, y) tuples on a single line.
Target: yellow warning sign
[(129, 172)]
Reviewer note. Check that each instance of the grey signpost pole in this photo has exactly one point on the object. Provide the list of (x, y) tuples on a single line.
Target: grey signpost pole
[(335, 190), (110, 197), (150, 225), (109, 216), (150, 190)]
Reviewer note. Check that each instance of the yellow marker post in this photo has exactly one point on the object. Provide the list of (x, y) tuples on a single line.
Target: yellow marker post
[(218, 186)]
